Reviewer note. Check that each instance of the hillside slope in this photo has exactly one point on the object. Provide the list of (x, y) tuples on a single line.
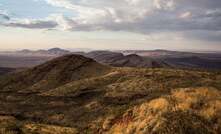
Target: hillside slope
[(119, 60), (79, 95), (185, 111), (53, 73)]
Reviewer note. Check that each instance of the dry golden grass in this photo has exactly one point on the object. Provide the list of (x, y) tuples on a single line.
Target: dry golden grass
[(190, 110), (10, 125), (47, 129)]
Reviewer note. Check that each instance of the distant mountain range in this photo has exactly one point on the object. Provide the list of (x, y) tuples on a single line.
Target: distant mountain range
[(171, 54), (29, 58), (195, 62), (127, 58), (49, 52), (120, 60), (104, 57), (178, 59), (4, 70)]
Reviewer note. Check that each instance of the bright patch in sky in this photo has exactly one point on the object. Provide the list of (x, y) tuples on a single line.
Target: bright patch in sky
[(31, 9), (111, 24)]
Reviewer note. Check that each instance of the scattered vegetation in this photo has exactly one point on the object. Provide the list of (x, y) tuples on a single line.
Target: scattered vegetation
[(190, 110), (73, 94)]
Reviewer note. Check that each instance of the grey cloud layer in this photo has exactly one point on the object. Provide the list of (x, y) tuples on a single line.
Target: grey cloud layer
[(141, 16), (3, 16), (33, 25)]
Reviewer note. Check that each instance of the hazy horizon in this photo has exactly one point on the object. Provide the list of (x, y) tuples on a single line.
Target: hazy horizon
[(91, 49)]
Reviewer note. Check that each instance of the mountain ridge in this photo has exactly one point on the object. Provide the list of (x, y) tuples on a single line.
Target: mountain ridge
[(120, 60), (52, 72), (144, 58)]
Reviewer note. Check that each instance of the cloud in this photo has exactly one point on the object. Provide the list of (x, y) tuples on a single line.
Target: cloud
[(185, 15), (164, 4), (38, 24), (4, 16), (140, 16), (30, 23)]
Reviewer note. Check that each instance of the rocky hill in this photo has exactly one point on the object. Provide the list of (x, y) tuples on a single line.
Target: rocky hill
[(120, 60), (76, 95), (53, 73)]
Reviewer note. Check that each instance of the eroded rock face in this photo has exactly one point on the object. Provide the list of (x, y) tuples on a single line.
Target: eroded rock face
[(190, 110)]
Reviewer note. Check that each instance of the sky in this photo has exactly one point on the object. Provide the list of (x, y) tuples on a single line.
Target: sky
[(111, 24)]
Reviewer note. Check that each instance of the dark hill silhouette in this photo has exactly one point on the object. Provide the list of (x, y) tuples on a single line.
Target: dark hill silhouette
[(195, 62), (120, 60), (53, 73), (58, 51)]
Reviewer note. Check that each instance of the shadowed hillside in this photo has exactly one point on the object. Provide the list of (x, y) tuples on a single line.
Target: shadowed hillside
[(195, 62), (119, 60), (74, 94), (53, 73)]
